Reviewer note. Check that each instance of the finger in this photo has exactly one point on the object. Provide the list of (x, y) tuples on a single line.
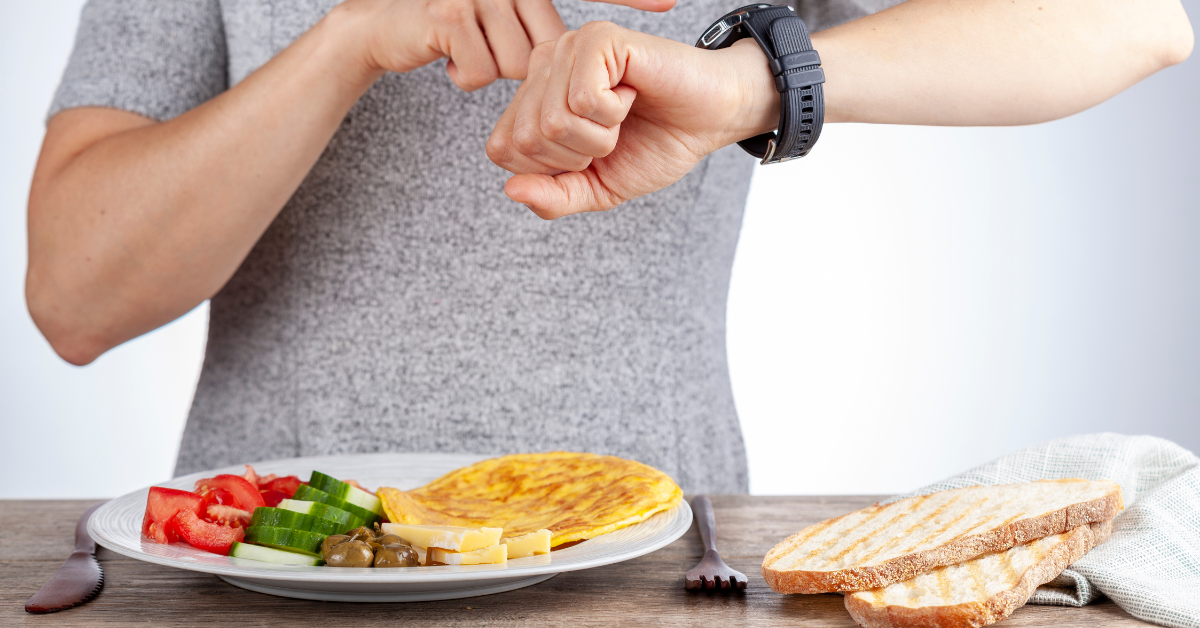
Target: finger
[(561, 195), (657, 6), (595, 92), (506, 37), (527, 135), (501, 148), (471, 65), (541, 20), (561, 125), (502, 151)]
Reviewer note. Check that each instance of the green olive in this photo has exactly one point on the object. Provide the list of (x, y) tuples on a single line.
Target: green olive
[(395, 556), (330, 541), (362, 533), (387, 539), (350, 554)]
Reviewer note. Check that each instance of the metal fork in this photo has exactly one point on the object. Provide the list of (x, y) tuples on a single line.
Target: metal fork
[(712, 572)]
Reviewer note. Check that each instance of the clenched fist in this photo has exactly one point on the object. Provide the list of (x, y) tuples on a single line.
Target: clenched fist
[(608, 114)]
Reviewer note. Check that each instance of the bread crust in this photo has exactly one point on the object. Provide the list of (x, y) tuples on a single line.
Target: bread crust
[(983, 612), (909, 565)]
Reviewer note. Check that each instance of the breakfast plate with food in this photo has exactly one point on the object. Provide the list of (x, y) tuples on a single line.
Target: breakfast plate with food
[(398, 527)]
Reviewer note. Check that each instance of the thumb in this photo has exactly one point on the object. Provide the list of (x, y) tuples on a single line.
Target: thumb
[(657, 6), (606, 107), (561, 195)]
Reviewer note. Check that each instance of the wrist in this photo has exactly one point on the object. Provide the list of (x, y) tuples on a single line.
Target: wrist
[(344, 37), (758, 109)]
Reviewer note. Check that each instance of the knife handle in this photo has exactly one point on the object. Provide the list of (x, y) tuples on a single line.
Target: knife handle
[(705, 521), (83, 541)]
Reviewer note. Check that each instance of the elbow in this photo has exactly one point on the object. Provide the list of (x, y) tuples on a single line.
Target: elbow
[(1176, 39), (1182, 47), (68, 336)]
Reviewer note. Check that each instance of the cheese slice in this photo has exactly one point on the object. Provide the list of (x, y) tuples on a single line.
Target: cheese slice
[(445, 537), (484, 556), (528, 544)]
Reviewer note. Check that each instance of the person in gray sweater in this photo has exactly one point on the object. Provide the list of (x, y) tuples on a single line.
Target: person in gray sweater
[(320, 171)]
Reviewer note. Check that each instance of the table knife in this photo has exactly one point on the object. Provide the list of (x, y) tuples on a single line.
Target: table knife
[(77, 581)]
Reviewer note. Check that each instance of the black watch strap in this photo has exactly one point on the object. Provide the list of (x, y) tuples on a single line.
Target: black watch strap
[(797, 70)]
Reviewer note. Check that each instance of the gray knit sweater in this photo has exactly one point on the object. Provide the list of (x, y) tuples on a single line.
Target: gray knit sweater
[(400, 302)]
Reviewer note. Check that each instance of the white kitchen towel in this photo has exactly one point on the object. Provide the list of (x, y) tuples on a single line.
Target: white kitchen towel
[(1151, 565)]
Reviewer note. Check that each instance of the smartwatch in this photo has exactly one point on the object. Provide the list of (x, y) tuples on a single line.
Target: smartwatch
[(798, 76)]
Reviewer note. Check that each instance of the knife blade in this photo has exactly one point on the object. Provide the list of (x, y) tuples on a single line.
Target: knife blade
[(77, 581)]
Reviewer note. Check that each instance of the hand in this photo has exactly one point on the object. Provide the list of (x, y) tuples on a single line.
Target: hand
[(485, 39), (608, 114)]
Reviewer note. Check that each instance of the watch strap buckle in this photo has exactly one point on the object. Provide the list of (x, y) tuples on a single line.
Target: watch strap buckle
[(799, 80), (794, 61)]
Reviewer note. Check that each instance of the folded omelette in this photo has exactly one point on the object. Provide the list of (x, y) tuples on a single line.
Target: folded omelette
[(576, 496)]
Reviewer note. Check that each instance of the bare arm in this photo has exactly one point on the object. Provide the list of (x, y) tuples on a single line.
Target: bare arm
[(132, 222), (995, 62), (625, 114)]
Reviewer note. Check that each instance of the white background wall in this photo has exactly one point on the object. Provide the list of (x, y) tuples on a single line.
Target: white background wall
[(906, 303)]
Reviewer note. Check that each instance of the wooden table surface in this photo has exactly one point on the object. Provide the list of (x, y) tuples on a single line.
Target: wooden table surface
[(36, 536)]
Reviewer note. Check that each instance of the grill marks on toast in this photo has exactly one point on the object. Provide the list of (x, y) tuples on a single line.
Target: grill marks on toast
[(1010, 571), (981, 523), (812, 531), (880, 545), (943, 584), (950, 532), (978, 592), (937, 513), (818, 531), (849, 548), (977, 580), (838, 537)]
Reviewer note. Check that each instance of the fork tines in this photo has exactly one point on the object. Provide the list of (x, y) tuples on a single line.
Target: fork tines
[(717, 582), (712, 574)]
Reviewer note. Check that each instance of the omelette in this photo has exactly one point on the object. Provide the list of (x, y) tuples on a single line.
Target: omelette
[(573, 495)]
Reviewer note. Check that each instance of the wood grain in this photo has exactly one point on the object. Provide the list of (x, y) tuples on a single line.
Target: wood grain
[(647, 590)]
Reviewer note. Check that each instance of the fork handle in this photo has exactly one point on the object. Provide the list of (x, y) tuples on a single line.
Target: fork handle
[(706, 522)]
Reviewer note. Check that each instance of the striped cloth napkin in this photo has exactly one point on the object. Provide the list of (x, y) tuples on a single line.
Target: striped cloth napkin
[(1151, 565)]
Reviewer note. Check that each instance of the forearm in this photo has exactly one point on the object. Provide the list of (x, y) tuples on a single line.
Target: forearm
[(995, 62), (142, 226), (576, 141)]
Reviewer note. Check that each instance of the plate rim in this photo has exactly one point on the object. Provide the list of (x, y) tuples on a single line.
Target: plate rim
[(371, 576)]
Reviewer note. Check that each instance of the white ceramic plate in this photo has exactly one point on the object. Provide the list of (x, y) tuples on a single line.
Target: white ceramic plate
[(117, 526)]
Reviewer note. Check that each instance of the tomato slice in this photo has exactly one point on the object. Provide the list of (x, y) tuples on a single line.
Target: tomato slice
[(286, 485), (251, 475), (272, 498), (210, 537), (218, 497), (245, 495), (227, 515), (162, 505)]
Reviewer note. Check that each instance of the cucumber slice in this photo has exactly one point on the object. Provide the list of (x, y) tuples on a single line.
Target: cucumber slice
[(282, 518), (349, 494), (344, 520), (284, 539), (279, 518), (272, 555), (308, 493)]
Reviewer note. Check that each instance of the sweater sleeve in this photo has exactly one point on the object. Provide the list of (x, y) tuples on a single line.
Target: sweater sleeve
[(156, 58)]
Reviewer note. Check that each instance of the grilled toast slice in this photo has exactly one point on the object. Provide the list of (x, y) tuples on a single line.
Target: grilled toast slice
[(877, 546), (976, 593)]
